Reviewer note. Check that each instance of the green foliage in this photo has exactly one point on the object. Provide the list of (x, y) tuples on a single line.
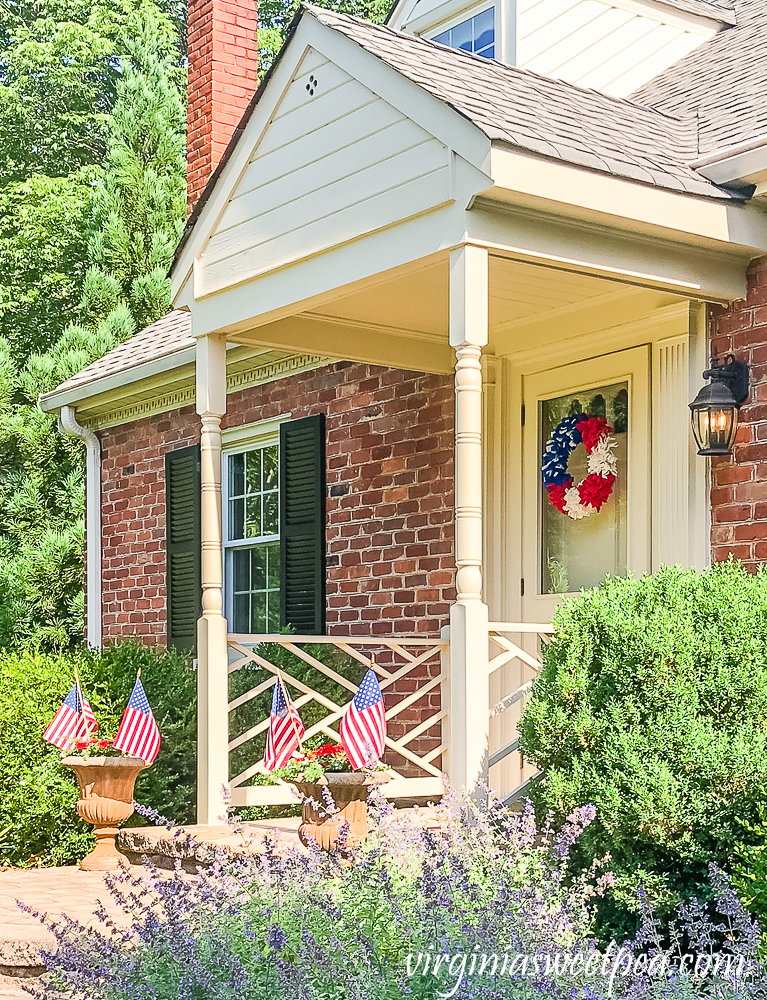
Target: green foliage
[(37, 807), (652, 705), (274, 17), (750, 867), (42, 256), (93, 98)]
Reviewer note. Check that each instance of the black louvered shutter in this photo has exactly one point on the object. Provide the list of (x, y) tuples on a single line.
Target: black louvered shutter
[(183, 545), (302, 525)]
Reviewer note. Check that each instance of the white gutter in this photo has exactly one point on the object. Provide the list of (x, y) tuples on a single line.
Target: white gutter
[(69, 425), (744, 164)]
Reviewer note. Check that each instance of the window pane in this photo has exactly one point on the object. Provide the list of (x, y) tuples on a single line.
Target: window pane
[(463, 36), (270, 514), (271, 464), (253, 473), (258, 567), (241, 571), (258, 613), (444, 37), (241, 613), (484, 29), (253, 523), (236, 519), (273, 564), (236, 475)]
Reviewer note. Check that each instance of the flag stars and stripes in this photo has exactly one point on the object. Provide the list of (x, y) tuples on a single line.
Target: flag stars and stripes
[(138, 735), (285, 731), (363, 726), (73, 721)]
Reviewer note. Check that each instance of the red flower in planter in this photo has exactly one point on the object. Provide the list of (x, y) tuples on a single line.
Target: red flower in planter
[(328, 750), (92, 742)]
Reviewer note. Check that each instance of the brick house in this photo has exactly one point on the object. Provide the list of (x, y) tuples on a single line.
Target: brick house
[(411, 254)]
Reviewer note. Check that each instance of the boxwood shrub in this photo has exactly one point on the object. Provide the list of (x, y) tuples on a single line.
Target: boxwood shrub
[(38, 822), (652, 704)]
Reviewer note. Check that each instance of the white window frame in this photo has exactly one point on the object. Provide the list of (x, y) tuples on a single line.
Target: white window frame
[(237, 441), (465, 14)]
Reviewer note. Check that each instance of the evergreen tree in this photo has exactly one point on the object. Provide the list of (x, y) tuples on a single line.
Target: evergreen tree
[(137, 209), (274, 17)]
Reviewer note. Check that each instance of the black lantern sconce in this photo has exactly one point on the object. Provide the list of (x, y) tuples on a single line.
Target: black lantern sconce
[(715, 409)]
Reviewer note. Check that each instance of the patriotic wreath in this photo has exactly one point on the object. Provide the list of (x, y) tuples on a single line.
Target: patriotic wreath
[(592, 492)]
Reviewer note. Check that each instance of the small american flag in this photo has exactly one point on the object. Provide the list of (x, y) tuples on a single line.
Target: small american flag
[(74, 720), (285, 730), (363, 727), (138, 735)]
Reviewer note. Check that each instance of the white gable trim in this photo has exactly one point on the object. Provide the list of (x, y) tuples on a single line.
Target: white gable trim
[(436, 118)]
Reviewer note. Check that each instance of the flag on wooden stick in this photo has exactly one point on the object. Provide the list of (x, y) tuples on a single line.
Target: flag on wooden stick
[(285, 729), (363, 727), (73, 721), (138, 735)]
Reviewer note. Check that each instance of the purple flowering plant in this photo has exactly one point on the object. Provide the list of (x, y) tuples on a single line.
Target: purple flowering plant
[(294, 924)]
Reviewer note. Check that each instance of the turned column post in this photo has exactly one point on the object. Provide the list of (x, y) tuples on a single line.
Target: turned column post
[(468, 718), (212, 655)]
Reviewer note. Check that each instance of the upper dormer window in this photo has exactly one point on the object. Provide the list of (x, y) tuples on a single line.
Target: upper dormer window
[(474, 34)]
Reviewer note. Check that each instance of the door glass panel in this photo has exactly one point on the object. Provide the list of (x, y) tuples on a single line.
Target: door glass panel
[(576, 554)]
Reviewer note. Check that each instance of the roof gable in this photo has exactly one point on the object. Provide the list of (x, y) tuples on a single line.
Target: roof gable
[(335, 163)]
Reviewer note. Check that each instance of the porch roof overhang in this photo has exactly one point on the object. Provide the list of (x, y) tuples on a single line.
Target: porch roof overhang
[(598, 240)]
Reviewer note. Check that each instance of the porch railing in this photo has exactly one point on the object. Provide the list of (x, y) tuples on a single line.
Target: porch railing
[(412, 667), (513, 667)]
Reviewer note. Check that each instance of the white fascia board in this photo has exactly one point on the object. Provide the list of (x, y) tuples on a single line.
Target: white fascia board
[(399, 12), (587, 246), (53, 401), (440, 14), (698, 24), (434, 116), (521, 177)]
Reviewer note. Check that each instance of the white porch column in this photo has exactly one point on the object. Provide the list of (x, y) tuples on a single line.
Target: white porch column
[(468, 718), (212, 659)]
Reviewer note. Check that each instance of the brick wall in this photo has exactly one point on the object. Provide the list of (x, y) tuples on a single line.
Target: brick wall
[(223, 76), (739, 481), (389, 508)]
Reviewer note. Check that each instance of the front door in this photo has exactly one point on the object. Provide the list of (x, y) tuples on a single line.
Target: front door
[(562, 554)]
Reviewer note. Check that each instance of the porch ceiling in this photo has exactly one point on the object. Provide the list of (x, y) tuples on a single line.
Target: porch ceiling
[(402, 320)]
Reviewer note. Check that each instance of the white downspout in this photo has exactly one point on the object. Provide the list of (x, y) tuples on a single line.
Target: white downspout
[(69, 425)]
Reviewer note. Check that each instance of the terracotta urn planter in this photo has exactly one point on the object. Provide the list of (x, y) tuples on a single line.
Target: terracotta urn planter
[(350, 791), (106, 800)]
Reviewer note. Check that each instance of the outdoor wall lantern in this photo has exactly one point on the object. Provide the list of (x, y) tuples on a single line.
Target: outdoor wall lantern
[(714, 410)]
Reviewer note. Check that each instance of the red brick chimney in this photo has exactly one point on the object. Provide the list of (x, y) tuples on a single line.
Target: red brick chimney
[(223, 76)]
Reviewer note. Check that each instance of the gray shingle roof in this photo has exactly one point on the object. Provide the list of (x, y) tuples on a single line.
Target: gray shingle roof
[(536, 113), (722, 10), (723, 82), (168, 335)]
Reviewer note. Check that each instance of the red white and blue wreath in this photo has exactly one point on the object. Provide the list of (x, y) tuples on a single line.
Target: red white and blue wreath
[(592, 492)]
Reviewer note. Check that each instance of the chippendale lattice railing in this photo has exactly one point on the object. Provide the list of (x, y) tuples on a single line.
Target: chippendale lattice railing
[(513, 669), (411, 667)]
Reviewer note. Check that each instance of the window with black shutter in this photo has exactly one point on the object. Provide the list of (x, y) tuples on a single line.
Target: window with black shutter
[(302, 525), (183, 546)]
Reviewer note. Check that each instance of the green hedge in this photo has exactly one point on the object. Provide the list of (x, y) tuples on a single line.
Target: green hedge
[(652, 705), (38, 823)]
